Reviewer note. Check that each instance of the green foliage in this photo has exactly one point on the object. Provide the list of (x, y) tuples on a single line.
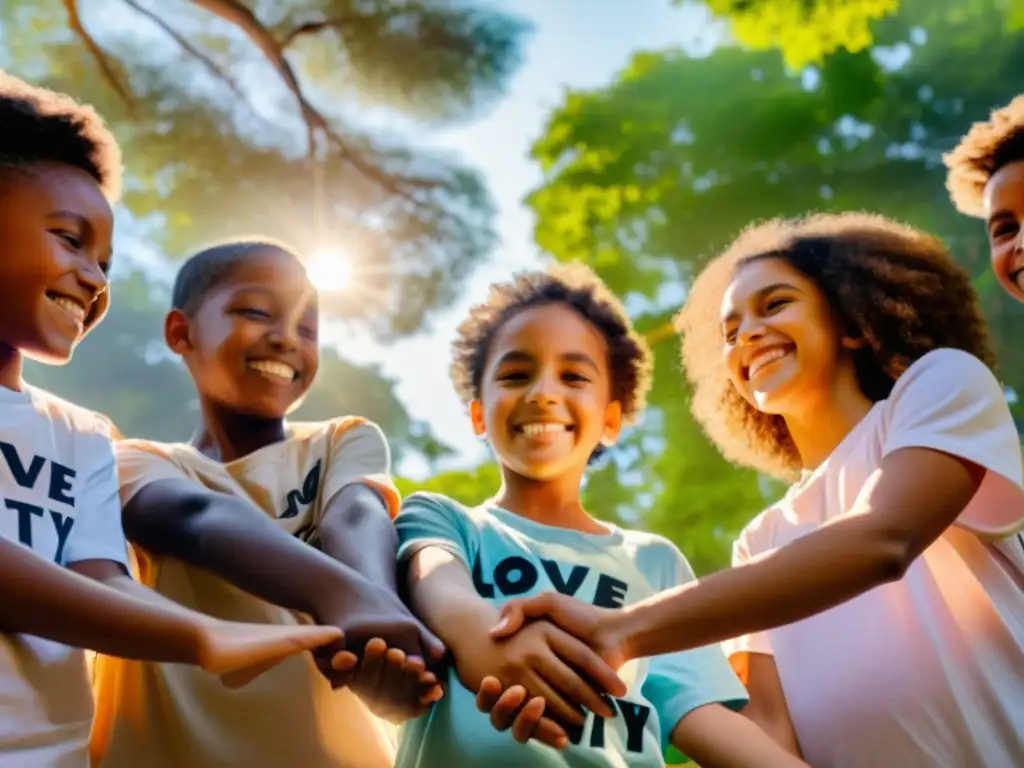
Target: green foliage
[(215, 142), (469, 486), (806, 31), (647, 177)]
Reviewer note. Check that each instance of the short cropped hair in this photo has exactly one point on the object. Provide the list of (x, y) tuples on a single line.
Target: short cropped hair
[(577, 287), (985, 149), (40, 126), (204, 270)]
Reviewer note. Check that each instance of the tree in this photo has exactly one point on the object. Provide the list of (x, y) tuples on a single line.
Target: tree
[(241, 117), (251, 118), (648, 176)]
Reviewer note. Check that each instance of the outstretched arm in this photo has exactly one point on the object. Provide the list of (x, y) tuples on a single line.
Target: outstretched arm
[(543, 659), (43, 599)]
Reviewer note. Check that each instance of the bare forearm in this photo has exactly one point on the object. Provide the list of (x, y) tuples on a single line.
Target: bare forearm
[(716, 737), (441, 594), (41, 598), (245, 548), (357, 531), (806, 577)]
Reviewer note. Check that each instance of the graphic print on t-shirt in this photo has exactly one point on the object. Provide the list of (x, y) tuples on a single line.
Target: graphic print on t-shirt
[(38, 501)]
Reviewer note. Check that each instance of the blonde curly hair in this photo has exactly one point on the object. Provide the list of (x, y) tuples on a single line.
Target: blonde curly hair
[(986, 148), (896, 287)]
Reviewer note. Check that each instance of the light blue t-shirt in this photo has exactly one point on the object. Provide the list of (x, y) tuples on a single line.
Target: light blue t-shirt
[(509, 556)]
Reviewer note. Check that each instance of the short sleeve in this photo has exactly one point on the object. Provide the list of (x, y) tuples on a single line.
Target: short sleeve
[(429, 520), (757, 642), (950, 401), (97, 533), (138, 466), (359, 453), (678, 683)]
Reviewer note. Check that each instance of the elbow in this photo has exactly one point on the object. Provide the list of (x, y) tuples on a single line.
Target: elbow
[(891, 555)]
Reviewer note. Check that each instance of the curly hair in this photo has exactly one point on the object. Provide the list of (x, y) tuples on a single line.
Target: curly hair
[(40, 126), (203, 271), (896, 288), (985, 149), (577, 287)]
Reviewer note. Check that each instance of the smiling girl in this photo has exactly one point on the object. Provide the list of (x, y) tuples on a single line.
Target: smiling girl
[(878, 605)]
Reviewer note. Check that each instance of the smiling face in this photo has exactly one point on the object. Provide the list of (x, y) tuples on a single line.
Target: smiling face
[(545, 395), (1004, 214), (783, 350), (56, 229), (251, 345)]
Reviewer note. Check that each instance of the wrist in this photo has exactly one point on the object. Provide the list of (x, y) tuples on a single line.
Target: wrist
[(626, 627), (331, 600)]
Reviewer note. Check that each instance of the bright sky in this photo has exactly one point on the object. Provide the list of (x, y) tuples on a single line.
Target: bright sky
[(576, 44)]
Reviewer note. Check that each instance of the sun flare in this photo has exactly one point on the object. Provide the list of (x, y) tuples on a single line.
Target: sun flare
[(329, 269)]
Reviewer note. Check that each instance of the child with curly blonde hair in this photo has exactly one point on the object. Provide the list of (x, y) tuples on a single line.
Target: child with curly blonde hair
[(878, 607)]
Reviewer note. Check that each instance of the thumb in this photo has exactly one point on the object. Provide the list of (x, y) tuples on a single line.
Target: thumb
[(433, 648), (511, 620)]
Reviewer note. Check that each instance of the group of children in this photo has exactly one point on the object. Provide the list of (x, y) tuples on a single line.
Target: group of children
[(289, 609)]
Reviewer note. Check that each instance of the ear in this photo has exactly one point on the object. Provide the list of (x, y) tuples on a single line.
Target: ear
[(177, 332), (854, 342), (612, 423), (476, 416)]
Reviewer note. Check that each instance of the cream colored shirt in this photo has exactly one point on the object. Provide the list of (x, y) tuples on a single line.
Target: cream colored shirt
[(171, 716), (926, 672)]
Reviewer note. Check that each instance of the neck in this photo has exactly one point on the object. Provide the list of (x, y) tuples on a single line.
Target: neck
[(819, 428), (10, 368), (553, 502), (226, 435)]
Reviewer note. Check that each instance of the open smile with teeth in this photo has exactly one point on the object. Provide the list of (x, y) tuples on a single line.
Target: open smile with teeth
[(73, 307), (541, 428), (274, 370), (765, 358)]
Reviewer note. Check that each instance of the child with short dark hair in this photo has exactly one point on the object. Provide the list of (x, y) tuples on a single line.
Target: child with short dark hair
[(986, 180), (278, 522), (550, 368), (884, 594), (63, 558)]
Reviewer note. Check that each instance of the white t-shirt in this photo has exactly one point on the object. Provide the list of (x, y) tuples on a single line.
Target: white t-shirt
[(59, 492), (926, 672), (174, 715)]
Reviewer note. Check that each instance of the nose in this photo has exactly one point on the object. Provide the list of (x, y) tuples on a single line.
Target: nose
[(93, 279), (544, 390), (750, 329), (284, 335)]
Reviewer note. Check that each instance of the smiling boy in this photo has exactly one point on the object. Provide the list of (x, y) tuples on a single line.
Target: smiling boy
[(986, 180), (64, 581)]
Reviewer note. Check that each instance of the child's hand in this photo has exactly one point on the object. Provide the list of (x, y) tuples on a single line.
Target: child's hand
[(241, 652), (388, 657), (543, 659), (395, 687), (599, 628), (511, 708)]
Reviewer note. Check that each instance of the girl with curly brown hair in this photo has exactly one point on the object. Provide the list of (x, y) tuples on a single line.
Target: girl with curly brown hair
[(883, 595)]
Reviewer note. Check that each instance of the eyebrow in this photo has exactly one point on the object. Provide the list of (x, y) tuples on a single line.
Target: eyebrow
[(764, 292), (999, 216), (518, 356)]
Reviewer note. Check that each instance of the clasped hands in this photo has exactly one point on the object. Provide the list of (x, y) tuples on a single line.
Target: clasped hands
[(551, 653)]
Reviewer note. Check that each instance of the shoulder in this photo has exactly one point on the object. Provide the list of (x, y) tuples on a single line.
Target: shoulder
[(134, 447), (658, 557), (950, 371), (344, 432), (428, 501), (77, 419), (760, 534)]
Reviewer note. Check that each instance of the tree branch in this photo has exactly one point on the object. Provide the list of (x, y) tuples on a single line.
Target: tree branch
[(106, 65), (188, 47), (241, 17)]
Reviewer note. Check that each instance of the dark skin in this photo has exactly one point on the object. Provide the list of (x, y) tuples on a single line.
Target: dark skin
[(265, 310), (57, 229), (1004, 223)]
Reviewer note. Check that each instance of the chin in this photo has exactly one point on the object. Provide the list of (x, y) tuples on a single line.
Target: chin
[(51, 355)]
